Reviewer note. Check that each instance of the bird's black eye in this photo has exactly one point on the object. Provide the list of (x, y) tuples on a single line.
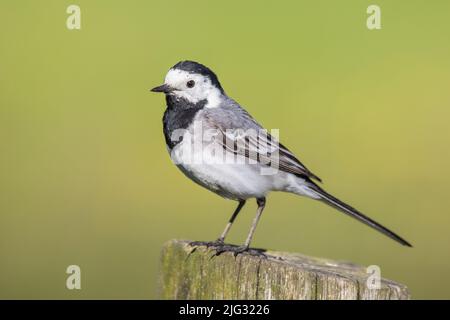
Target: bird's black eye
[(190, 84)]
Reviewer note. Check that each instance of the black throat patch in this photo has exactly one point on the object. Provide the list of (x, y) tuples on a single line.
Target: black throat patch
[(179, 115)]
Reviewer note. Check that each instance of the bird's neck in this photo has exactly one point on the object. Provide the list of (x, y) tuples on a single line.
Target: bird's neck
[(179, 115), (180, 104)]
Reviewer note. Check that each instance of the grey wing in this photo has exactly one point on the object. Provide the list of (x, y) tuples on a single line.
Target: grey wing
[(240, 134)]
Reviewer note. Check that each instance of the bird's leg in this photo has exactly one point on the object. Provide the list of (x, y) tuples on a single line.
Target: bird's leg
[(230, 222), (221, 239), (246, 247), (261, 204)]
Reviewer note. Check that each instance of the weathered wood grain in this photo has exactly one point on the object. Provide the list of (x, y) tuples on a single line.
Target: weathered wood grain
[(196, 275)]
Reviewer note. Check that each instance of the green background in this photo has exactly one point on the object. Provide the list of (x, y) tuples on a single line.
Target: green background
[(85, 178)]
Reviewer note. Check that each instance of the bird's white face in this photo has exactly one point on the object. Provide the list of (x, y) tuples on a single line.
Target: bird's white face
[(193, 87)]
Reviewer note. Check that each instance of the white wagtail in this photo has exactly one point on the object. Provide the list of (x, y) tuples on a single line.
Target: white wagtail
[(195, 98)]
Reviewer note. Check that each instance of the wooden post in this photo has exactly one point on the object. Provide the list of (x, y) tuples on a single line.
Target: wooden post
[(198, 275)]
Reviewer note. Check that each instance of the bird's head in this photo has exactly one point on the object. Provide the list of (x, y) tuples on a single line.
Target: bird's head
[(192, 81)]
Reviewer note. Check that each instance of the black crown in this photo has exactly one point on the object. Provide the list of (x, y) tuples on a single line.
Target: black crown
[(198, 68)]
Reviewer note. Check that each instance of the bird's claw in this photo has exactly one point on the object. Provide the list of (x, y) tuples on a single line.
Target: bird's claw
[(208, 244), (220, 247), (232, 249)]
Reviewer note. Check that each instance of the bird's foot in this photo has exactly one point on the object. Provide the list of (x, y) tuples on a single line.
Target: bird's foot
[(208, 244), (220, 247), (236, 250)]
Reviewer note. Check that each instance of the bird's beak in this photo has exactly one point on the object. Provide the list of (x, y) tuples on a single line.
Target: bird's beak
[(163, 88)]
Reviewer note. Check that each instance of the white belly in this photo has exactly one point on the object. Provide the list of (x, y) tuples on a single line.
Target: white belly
[(233, 177), (235, 180)]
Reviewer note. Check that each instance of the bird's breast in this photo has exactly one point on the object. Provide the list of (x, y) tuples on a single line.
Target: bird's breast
[(178, 117), (234, 180)]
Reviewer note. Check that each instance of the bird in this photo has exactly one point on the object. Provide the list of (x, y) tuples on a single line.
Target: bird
[(216, 143)]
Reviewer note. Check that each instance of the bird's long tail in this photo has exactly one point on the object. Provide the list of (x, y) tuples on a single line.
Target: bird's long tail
[(352, 212)]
